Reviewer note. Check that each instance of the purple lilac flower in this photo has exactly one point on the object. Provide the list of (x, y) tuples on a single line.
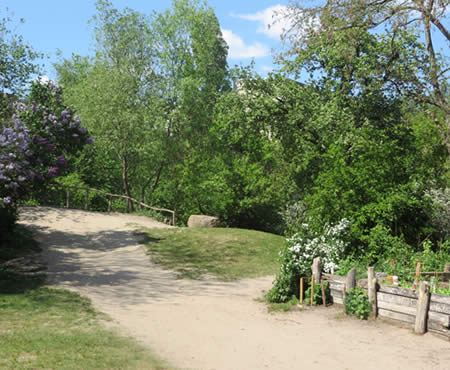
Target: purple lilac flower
[(53, 171), (61, 161)]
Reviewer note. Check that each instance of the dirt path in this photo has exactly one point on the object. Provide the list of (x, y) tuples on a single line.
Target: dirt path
[(210, 325)]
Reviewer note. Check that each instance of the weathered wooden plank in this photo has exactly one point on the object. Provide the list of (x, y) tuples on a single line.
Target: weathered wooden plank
[(407, 310), (337, 300), (338, 284), (398, 291), (335, 292), (331, 277), (395, 315), (440, 307), (420, 325), (439, 298), (396, 299), (442, 319), (434, 325), (444, 335)]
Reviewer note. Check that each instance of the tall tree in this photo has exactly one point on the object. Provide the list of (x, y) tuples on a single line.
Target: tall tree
[(388, 42)]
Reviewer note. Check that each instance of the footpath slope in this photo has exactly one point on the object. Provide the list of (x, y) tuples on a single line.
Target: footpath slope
[(208, 324)]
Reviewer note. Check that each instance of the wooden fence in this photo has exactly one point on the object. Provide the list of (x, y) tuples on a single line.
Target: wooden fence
[(423, 310), (110, 198)]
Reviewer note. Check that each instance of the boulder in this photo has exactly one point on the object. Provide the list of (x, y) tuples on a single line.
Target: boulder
[(203, 221)]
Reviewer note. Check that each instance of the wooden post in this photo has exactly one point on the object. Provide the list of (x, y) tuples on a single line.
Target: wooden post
[(324, 302), (173, 219), (316, 269), (86, 204), (372, 290), (423, 302), (301, 291), (312, 290), (350, 282), (68, 198), (109, 203)]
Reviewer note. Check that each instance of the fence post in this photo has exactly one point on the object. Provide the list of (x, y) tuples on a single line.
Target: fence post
[(372, 290), (86, 204), (350, 282), (316, 269), (67, 197), (423, 302), (109, 203)]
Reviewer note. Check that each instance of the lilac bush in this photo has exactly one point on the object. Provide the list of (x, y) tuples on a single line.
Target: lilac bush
[(35, 144)]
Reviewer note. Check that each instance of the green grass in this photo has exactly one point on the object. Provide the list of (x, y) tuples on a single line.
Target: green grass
[(47, 328), (224, 254), (291, 305)]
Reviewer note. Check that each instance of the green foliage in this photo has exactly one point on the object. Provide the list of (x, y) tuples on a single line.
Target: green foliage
[(317, 298), (357, 303), (297, 256)]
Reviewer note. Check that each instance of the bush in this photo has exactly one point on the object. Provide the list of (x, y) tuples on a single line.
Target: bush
[(357, 303), (317, 299), (297, 257)]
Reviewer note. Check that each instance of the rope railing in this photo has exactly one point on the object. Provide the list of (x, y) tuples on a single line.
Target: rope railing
[(110, 198)]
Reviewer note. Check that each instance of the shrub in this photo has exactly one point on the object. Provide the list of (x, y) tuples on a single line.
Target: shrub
[(357, 303), (317, 299), (297, 257)]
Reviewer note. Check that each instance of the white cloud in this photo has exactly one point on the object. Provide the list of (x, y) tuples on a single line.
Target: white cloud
[(272, 21), (238, 48)]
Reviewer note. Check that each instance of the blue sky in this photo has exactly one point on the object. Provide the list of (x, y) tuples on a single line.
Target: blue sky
[(62, 24)]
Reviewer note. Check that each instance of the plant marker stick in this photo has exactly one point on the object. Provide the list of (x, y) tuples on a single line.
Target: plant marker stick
[(301, 290), (417, 275)]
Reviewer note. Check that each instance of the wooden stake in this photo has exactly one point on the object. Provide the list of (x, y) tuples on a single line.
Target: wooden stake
[(109, 204), (301, 290), (316, 269), (423, 302), (312, 290), (416, 279), (86, 204), (350, 282), (372, 290), (323, 294), (68, 198)]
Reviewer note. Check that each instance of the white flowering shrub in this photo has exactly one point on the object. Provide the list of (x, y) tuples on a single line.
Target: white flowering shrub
[(297, 257)]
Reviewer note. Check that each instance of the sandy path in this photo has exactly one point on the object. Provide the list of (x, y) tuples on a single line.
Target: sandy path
[(210, 325)]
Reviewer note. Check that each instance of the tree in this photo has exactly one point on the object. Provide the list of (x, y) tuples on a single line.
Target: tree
[(114, 92), (391, 43), (148, 95)]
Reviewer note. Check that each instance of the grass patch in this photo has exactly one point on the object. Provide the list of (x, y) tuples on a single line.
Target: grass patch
[(58, 329), (48, 328), (225, 254), (291, 305)]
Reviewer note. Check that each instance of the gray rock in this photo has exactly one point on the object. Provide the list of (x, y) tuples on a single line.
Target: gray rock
[(203, 221)]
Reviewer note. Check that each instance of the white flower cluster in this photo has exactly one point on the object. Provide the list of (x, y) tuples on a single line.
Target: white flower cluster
[(305, 246)]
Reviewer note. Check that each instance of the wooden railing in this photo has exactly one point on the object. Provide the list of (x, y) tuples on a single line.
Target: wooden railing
[(110, 198)]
